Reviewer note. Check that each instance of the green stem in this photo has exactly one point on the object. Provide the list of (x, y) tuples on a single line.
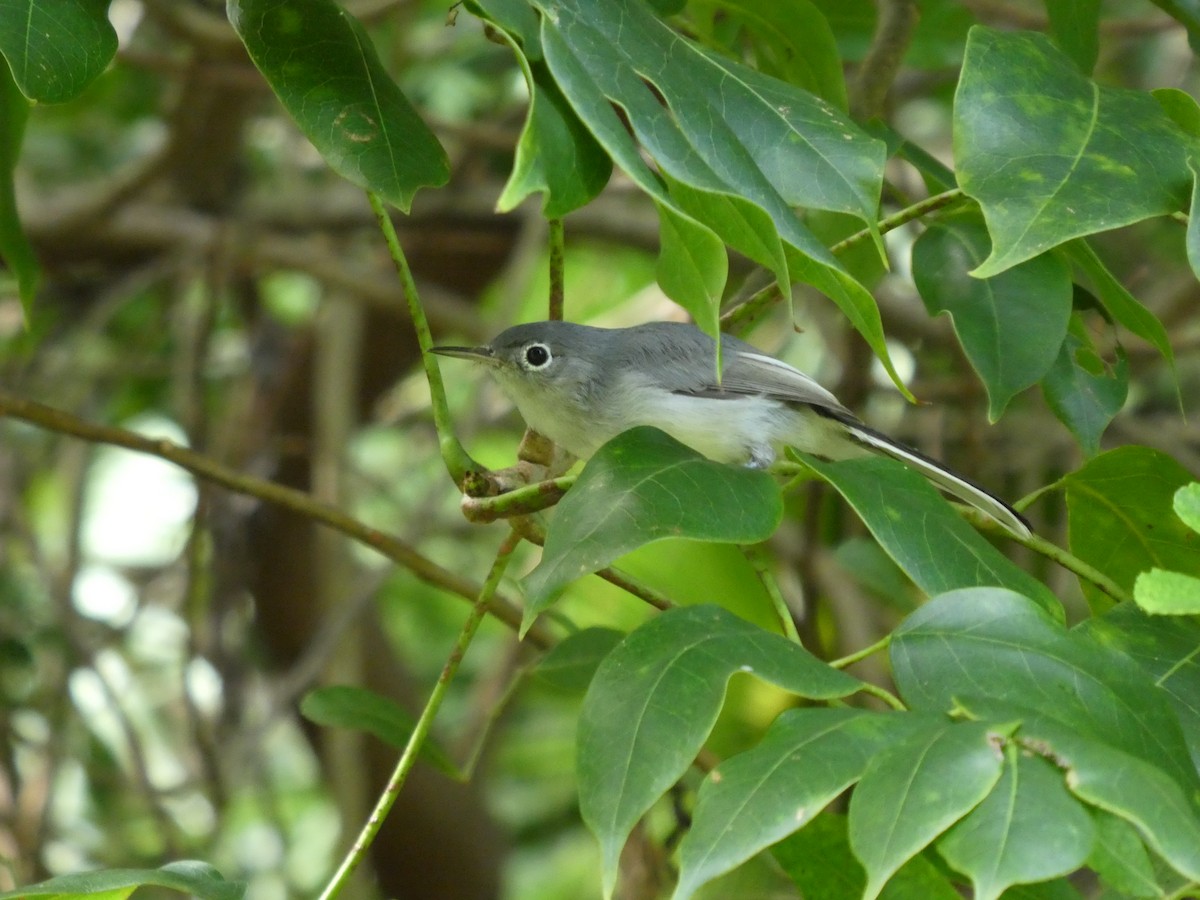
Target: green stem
[(886, 696), (903, 217), (424, 723), (1073, 563), (735, 319), (879, 645), (761, 563), (458, 463), (557, 243)]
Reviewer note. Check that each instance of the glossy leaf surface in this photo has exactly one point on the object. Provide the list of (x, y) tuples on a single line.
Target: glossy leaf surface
[(655, 699), (324, 69), (643, 486), (1050, 155)]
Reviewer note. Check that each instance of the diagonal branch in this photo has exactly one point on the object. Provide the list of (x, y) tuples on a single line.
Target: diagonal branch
[(299, 502)]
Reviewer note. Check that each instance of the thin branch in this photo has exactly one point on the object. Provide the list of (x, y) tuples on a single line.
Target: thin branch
[(893, 33), (424, 722), (557, 241), (299, 502), (458, 462)]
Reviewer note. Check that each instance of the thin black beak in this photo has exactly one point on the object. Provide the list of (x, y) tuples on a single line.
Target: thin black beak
[(479, 354)]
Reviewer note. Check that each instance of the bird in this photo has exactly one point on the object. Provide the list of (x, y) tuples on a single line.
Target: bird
[(581, 386)]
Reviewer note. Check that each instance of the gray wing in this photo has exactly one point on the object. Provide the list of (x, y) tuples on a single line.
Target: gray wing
[(746, 372)]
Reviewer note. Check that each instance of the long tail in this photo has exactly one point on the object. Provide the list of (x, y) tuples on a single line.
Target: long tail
[(946, 479)]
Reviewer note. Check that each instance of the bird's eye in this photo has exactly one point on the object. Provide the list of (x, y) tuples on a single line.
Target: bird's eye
[(537, 356)]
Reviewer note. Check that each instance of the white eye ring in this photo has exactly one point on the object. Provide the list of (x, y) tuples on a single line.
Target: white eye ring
[(535, 356)]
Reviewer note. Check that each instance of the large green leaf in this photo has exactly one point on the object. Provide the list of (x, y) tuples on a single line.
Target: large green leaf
[(654, 701), (1075, 27), (692, 266), (1162, 590), (1163, 811), (195, 878), (902, 804), (1119, 857), (1120, 515), (719, 128), (1011, 325), (323, 67), (804, 761), (993, 643), (821, 864), (1029, 828), (643, 486), (1084, 391), (1117, 299), (1050, 155), (921, 531), (792, 40), (15, 250), (556, 155), (56, 48), (1168, 649)]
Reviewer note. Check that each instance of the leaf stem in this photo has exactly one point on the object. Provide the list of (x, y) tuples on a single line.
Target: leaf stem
[(761, 563), (557, 244), (1073, 563), (424, 722), (902, 217), (881, 644), (742, 315), (458, 462)]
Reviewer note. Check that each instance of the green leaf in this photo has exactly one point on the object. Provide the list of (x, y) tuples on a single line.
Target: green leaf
[(190, 877), (571, 663), (1167, 593), (15, 250), (755, 799), (1186, 504), (321, 64), (692, 266), (993, 643), (1050, 155), (1075, 27), (1181, 107), (1192, 240), (556, 154), (820, 862), (56, 49), (355, 708), (1083, 390), (921, 531), (792, 41), (1106, 777), (1121, 304), (739, 223), (644, 486), (901, 804), (654, 701), (1011, 325), (1165, 648), (1119, 857), (1119, 515), (1029, 828), (721, 128)]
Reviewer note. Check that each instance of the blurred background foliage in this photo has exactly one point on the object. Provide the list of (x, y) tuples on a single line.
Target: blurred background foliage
[(207, 279)]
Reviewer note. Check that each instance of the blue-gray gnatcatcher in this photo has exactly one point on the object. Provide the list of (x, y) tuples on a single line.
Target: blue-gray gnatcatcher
[(581, 386)]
